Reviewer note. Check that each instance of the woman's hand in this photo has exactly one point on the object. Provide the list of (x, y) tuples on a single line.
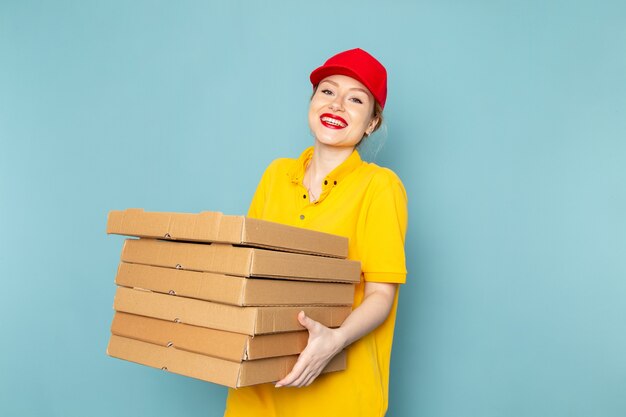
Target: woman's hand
[(324, 343)]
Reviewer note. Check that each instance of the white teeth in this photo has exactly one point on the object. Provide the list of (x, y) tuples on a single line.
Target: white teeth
[(333, 122)]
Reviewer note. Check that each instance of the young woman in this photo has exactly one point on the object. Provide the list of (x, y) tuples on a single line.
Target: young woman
[(330, 189)]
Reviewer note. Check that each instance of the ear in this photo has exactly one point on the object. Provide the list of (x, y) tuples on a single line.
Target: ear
[(372, 125)]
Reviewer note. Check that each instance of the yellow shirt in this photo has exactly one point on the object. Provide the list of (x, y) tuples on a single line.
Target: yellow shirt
[(367, 204)]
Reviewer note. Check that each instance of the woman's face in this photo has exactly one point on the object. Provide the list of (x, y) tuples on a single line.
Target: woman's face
[(341, 111)]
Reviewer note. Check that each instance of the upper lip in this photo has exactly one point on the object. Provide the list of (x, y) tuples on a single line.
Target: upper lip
[(335, 117)]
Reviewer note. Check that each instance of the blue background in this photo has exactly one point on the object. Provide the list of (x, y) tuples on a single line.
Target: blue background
[(505, 120)]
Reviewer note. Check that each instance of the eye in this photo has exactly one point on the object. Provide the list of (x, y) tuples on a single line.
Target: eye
[(356, 100), (326, 91)]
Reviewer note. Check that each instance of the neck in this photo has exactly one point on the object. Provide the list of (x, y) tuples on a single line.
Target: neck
[(325, 159)]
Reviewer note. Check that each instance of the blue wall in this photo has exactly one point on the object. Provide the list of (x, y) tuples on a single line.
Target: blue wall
[(506, 122)]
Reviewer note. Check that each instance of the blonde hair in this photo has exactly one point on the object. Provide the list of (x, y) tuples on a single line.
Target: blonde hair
[(378, 112)]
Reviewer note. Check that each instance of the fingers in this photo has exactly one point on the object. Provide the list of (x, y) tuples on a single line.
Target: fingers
[(300, 371), (309, 323), (303, 373), (312, 377), (301, 317), (314, 358), (295, 373), (299, 380)]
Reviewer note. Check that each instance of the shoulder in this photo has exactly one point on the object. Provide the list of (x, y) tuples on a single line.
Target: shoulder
[(279, 164), (279, 167), (381, 179), (383, 175)]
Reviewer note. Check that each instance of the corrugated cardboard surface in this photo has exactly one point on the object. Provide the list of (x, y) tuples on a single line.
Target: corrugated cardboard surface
[(234, 290), (218, 343), (246, 262), (247, 320), (217, 227), (207, 368)]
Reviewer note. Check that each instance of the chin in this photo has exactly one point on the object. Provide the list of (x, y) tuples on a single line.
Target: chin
[(335, 139), (336, 144)]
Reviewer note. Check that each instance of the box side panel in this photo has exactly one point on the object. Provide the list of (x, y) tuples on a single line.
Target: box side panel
[(285, 319), (137, 222), (201, 227), (210, 342), (274, 369), (197, 366), (217, 258), (265, 370), (215, 227), (114, 217), (231, 230), (293, 239), (276, 264), (201, 285), (186, 310), (279, 344), (287, 292)]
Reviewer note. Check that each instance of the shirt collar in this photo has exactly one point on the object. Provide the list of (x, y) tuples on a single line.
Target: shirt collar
[(334, 177)]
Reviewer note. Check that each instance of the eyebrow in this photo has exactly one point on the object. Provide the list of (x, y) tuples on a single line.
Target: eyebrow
[(353, 88)]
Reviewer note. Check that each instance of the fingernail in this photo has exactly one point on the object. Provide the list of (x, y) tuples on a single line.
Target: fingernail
[(277, 386)]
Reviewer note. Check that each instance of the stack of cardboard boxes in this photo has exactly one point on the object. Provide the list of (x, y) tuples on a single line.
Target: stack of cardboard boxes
[(216, 297)]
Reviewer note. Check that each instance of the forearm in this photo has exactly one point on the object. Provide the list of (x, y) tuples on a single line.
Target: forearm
[(324, 343), (372, 312)]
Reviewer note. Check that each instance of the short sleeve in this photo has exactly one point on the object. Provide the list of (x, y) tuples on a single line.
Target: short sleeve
[(259, 199), (383, 232)]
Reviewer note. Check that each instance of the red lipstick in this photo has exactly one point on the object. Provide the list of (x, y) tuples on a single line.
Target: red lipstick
[(332, 121)]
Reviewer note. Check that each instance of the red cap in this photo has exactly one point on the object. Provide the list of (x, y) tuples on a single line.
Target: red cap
[(360, 65)]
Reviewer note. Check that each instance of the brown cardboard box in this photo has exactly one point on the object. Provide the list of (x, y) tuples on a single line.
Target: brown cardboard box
[(234, 290), (207, 368), (247, 320), (218, 343), (217, 227), (241, 261)]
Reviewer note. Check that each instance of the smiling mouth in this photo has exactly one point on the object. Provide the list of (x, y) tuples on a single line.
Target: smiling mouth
[(333, 122)]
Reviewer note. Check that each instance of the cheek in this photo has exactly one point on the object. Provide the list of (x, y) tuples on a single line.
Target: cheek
[(312, 119), (360, 119), (316, 103)]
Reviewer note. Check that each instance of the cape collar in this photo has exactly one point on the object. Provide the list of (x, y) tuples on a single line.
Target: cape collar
[(334, 177)]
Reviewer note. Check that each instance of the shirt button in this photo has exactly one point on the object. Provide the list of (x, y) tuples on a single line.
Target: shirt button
[(335, 182), (302, 217), (304, 196), (325, 182)]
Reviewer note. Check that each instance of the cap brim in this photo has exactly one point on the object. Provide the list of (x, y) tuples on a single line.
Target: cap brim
[(326, 71)]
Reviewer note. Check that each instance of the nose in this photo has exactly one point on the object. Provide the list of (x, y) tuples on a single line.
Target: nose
[(335, 105)]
